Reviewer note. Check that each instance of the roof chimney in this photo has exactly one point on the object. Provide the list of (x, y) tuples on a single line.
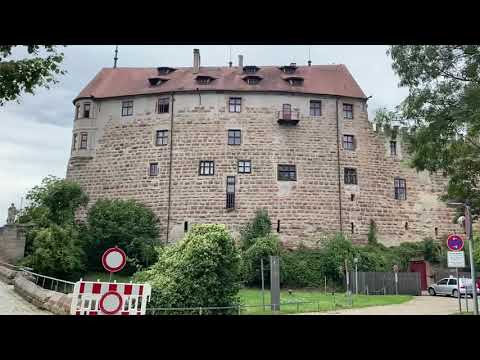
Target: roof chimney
[(196, 61), (240, 61)]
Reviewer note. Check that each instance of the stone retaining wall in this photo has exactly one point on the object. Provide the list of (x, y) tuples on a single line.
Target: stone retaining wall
[(55, 302)]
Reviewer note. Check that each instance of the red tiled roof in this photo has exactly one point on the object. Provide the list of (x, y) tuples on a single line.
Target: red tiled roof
[(318, 79)]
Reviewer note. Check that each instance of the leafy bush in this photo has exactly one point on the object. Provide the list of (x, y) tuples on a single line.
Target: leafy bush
[(53, 202), (127, 224), (259, 227), (262, 248), (57, 252), (335, 250), (302, 268), (202, 270)]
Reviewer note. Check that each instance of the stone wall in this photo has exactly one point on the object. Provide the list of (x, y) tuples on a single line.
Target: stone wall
[(12, 243), (121, 149)]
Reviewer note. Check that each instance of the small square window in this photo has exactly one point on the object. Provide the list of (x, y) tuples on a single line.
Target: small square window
[(287, 173), (207, 168), (153, 169), (127, 108), (315, 108), (163, 105), (86, 110), (348, 111), (348, 142), (244, 166), (235, 104), (161, 137), (83, 141), (234, 137), (400, 189), (350, 176)]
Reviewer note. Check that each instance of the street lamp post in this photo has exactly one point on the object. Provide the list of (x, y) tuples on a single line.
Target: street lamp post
[(468, 230)]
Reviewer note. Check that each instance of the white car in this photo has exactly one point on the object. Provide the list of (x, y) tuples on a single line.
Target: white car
[(448, 286)]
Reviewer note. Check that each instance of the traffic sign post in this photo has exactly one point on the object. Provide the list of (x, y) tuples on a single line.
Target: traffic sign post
[(456, 259), (114, 260)]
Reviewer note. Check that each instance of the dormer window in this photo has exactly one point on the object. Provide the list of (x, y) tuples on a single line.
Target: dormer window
[(294, 81), (155, 81), (164, 70), (252, 79), (250, 69), (204, 80), (289, 69)]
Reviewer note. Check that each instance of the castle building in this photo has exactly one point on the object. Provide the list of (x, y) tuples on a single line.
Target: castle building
[(214, 144)]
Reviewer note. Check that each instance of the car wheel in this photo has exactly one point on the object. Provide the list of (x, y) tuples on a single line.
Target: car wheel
[(455, 293), (431, 291)]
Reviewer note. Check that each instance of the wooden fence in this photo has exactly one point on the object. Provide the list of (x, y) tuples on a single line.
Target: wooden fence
[(383, 283)]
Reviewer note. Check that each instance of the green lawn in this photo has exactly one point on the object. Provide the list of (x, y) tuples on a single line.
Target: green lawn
[(318, 299)]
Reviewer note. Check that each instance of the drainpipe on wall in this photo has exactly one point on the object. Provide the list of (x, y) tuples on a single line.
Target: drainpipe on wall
[(339, 176), (170, 170)]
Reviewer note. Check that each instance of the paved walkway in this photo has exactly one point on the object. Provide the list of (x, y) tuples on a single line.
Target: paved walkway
[(419, 305), (13, 304)]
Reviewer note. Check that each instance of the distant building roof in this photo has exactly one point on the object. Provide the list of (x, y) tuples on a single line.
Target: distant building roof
[(318, 79)]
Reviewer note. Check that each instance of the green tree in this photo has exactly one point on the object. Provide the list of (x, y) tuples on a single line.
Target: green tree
[(442, 113), (260, 226), (335, 250), (55, 201), (261, 249), (56, 252), (38, 69), (202, 270), (127, 224)]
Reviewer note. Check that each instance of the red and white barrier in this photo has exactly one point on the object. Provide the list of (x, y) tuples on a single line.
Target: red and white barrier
[(100, 298)]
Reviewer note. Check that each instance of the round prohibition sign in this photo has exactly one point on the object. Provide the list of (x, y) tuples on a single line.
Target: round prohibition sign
[(111, 302), (455, 242), (114, 259)]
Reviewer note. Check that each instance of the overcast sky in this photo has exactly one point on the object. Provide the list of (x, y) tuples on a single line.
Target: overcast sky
[(35, 138)]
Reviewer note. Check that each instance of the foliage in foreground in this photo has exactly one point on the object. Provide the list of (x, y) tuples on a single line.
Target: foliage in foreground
[(201, 270), (127, 224), (259, 227), (28, 73), (52, 245), (56, 252), (442, 113)]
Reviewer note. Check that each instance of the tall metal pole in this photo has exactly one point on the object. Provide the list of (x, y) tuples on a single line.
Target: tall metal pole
[(468, 215), (356, 278), (263, 285), (458, 292), (347, 277)]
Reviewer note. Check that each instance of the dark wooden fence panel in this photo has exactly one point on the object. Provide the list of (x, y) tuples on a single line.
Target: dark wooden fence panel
[(380, 283)]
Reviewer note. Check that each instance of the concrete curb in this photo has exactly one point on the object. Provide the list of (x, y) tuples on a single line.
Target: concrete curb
[(52, 301)]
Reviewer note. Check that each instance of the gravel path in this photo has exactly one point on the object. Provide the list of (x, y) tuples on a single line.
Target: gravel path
[(13, 304), (419, 305)]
